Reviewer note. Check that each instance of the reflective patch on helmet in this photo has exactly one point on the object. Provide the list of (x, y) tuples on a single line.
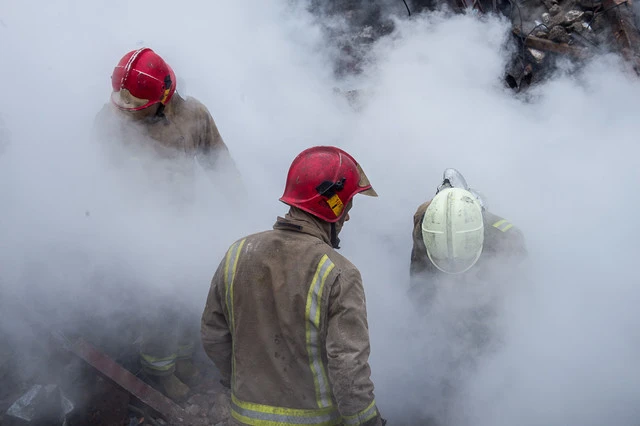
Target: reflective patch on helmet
[(165, 95), (335, 203), (167, 89)]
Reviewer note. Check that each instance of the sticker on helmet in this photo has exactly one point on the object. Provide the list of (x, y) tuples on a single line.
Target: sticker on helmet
[(335, 203)]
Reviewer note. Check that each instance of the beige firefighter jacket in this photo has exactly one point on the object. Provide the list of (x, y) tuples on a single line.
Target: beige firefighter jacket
[(188, 131), (286, 323), (501, 238)]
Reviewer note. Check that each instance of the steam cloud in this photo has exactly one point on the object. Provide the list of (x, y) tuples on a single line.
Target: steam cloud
[(79, 239)]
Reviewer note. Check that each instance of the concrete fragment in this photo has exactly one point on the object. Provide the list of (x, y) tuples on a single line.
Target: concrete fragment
[(193, 409), (221, 410), (559, 34), (572, 16), (577, 27), (538, 55)]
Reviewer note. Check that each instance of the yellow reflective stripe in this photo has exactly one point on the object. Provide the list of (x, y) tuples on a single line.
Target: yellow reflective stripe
[(498, 223), (230, 266), (186, 351), (312, 320), (160, 364), (363, 416), (266, 415), (503, 225), (188, 348)]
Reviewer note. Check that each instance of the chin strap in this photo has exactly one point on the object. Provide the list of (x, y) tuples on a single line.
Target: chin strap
[(160, 111), (335, 241), (159, 116)]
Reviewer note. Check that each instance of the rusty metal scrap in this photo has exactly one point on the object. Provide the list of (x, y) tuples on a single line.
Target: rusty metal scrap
[(551, 46), (626, 33)]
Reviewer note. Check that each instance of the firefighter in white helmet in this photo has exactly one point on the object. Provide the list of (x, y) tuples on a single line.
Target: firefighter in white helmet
[(454, 232), (462, 257)]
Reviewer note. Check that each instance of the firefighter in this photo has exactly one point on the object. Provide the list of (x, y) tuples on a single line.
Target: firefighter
[(454, 232), (285, 320), (148, 124), (461, 255)]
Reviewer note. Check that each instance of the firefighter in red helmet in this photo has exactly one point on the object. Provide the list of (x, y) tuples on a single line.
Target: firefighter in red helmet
[(147, 122), (148, 116), (285, 320)]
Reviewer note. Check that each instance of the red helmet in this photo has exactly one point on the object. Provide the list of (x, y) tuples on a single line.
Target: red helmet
[(141, 79), (322, 180)]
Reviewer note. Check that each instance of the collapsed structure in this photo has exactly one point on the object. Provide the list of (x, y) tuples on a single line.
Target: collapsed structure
[(542, 31)]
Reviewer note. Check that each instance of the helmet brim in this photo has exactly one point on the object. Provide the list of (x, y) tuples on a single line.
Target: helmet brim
[(124, 100)]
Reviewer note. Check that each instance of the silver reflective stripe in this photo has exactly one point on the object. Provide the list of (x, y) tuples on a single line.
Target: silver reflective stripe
[(159, 363), (332, 418), (313, 315), (362, 417)]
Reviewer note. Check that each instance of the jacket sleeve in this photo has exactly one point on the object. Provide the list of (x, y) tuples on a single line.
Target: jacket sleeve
[(419, 259), (214, 157), (215, 333), (348, 350), (211, 147), (504, 239)]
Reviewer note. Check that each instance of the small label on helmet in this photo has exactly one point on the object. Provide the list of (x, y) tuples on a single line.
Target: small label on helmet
[(335, 203)]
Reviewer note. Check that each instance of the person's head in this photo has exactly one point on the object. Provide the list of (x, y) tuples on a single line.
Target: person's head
[(453, 230), (322, 181), (143, 83)]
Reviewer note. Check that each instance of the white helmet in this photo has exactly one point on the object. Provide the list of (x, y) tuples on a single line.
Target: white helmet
[(453, 230)]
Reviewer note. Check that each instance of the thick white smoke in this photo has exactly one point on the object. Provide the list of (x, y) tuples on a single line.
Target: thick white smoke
[(561, 164)]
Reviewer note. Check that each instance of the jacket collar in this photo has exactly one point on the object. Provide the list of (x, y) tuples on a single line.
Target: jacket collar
[(300, 221)]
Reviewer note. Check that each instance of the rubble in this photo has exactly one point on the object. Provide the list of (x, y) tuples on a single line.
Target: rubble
[(145, 393), (559, 35), (577, 29), (103, 391)]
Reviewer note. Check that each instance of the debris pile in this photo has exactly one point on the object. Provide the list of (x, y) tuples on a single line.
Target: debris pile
[(543, 31), (577, 29), (84, 386)]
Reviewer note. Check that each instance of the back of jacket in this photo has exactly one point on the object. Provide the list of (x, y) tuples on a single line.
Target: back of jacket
[(286, 322)]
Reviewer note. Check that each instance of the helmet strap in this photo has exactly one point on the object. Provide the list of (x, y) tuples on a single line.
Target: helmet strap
[(335, 241), (159, 116), (160, 111)]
